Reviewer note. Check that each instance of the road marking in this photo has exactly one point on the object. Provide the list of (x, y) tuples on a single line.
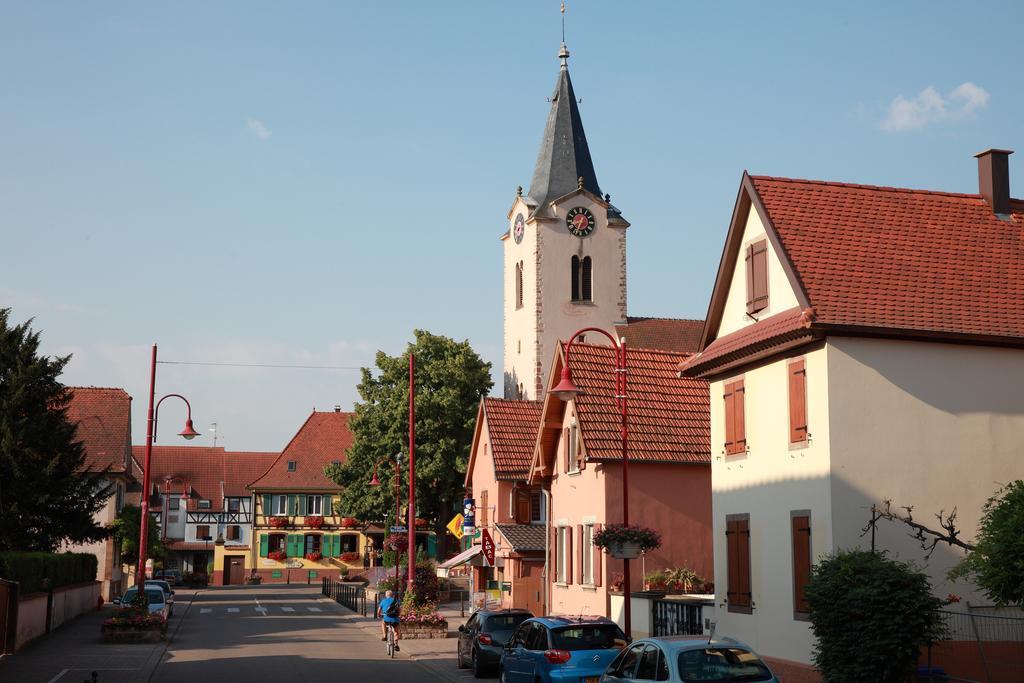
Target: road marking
[(261, 609), (64, 671), (314, 609), (287, 609), (232, 609), (205, 610)]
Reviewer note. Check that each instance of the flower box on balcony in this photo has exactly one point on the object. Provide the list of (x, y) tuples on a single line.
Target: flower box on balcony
[(315, 522), (278, 522), (279, 555), (350, 557), (625, 542), (349, 522), (314, 557)]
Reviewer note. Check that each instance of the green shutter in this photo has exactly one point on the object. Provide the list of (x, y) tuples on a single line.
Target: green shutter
[(291, 503), (327, 509), (264, 545), (431, 545), (302, 504), (327, 545), (268, 505), (337, 545), (293, 545)]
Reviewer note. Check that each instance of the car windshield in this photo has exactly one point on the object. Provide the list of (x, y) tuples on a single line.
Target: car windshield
[(503, 623), (155, 595), (588, 637), (715, 664), (159, 584)]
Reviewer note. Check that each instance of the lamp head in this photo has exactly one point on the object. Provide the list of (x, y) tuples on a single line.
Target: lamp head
[(566, 389), (189, 432), (375, 481)]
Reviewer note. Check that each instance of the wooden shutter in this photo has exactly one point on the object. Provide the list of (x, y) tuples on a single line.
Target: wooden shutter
[(301, 508), (567, 530), (586, 280), (757, 276), (738, 559), (328, 506), (522, 508), (598, 557), (553, 540), (565, 447), (264, 545), (801, 561), (579, 555), (797, 402), (575, 278), (291, 549), (291, 503), (483, 509), (268, 505), (735, 427)]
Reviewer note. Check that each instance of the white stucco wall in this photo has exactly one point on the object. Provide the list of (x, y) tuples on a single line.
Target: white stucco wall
[(520, 323), (769, 482), (780, 293), (928, 425)]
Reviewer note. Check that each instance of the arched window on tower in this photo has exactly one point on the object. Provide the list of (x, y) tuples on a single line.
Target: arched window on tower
[(519, 285), (582, 279)]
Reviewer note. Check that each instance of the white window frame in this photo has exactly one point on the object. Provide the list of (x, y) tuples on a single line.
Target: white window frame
[(587, 544), (280, 505), (316, 504), (234, 501), (203, 504)]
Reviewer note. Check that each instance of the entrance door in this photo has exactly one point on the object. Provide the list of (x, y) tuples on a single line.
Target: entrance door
[(234, 573), (526, 590)]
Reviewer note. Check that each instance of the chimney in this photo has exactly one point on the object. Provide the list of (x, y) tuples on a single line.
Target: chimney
[(337, 408), (994, 179)]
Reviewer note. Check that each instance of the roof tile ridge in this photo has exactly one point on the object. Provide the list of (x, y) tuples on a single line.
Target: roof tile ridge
[(865, 186), (659, 352), (643, 318), (93, 388)]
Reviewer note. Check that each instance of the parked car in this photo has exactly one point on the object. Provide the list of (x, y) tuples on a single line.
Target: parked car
[(157, 600), (555, 649), (483, 638), (688, 658), (168, 593), (171, 576)]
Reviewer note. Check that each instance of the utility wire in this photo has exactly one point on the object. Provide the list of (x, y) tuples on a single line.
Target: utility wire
[(259, 365)]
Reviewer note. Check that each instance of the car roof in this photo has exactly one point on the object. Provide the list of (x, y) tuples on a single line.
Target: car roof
[(585, 620), (679, 643), (512, 610)]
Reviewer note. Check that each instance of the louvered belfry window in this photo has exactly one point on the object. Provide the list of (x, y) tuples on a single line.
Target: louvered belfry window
[(735, 418), (757, 276), (737, 534), (582, 279), (575, 278)]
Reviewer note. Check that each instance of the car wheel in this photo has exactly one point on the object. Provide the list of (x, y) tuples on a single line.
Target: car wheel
[(503, 675), (478, 669), (458, 656)]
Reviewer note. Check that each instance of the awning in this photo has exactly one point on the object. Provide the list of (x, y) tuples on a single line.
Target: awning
[(462, 558)]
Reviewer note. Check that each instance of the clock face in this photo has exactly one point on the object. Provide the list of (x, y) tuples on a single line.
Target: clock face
[(520, 227), (580, 221)]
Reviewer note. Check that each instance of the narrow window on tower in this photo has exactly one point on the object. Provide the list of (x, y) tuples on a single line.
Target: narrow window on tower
[(519, 285), (575, 278), (586, 280)]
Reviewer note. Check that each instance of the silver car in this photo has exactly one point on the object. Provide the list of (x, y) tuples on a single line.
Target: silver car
[(168, 593), (157, 600), (687, 658)]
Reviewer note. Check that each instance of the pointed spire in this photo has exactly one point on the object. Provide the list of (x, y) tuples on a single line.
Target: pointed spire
[(564, 155)]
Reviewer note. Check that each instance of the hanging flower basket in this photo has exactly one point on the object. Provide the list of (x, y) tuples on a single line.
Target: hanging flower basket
[(626, 542), (314, 557), (397, 542), (349, 522), (420, 522), (278, 522), (315, 522), (278, 555)]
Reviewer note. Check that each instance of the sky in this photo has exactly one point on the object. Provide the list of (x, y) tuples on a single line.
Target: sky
[(307, 183)]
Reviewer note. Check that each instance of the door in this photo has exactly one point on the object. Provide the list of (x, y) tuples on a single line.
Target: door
[(512, 661), (234, 573), (526, 590)]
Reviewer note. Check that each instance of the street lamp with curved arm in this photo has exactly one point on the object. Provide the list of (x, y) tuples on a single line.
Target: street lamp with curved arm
[(188, 433), (566, 390), (398, 498)]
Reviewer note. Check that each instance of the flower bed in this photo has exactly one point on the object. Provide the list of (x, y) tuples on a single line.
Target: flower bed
[(315, 522), (131, 626), (279, 555), (423, 622)]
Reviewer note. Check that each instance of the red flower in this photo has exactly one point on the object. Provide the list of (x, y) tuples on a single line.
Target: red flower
[(278, 555), (278, 522), (314, 556), (315, 522)]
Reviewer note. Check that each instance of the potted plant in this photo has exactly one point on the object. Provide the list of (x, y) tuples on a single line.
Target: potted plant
[(315, 522), (626, 542), (278, 522), (314, 556), (349, 522), (253, 579), (655, 581), (279, 555)]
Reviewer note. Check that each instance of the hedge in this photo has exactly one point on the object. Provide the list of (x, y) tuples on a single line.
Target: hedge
[(63, 569)]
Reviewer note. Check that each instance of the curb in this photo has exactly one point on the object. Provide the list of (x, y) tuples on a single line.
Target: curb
[(154, 660)]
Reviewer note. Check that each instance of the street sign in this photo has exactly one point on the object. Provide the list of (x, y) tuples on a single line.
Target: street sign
[(398, 529), (455, 527), (487, 543)]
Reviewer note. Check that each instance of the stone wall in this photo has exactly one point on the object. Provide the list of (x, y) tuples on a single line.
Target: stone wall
[(68, 603)]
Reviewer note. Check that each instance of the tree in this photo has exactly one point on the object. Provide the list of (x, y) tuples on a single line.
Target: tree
[(870, 615), (45, 498), (450, 381), (125, 531), (995, 560)]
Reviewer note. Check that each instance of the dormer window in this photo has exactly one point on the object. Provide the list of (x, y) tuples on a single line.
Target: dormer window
[(203, 505), (291, 465), (757, 276)]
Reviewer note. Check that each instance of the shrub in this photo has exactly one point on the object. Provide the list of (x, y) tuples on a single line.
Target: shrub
[(389, 584), (871, 615), (997, 562), (62, 569)]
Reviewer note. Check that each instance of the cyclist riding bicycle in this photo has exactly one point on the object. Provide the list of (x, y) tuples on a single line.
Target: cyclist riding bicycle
[(389, 610)]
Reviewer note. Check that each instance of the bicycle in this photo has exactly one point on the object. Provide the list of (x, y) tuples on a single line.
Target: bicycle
[(391, 640)]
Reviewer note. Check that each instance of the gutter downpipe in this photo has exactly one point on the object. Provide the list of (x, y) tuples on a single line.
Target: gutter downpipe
[(547, 544)]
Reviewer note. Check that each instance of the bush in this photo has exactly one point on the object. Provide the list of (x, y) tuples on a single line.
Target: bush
[(63, 569), (871, 615), (997, 562)]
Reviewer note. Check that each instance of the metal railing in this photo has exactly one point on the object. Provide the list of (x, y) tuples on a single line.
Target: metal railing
[(346, 595), (995, 641), (676, 617)]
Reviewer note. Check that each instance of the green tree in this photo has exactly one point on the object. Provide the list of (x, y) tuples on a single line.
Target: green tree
[(996, 564), (44, 497), (450, 381), (870, 615), (125, 530)]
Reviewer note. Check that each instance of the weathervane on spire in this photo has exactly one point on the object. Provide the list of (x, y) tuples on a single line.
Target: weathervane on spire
[(563, 22)]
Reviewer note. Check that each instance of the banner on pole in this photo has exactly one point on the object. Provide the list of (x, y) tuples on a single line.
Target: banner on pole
[(468, 515), (487, 544)]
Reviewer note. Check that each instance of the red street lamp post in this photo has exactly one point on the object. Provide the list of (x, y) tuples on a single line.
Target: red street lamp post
[(398, 498), (411, 526), (566, 390), (187, 433)]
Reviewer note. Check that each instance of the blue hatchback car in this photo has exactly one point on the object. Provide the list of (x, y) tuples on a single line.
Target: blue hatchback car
[(561, 649), (679, 659)]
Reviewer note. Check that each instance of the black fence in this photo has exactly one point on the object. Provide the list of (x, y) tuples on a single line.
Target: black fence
[(346, 595), (677, 618)]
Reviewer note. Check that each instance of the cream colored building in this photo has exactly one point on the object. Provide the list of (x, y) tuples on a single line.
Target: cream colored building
[(863, 344)]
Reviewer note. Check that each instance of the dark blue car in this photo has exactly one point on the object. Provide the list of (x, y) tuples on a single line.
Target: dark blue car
[(561, 649)]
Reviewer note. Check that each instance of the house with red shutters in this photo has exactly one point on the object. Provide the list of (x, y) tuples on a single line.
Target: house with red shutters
[(104, 425), (577, 456), (862, 344)]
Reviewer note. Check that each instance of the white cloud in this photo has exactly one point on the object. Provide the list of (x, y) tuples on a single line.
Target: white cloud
[(257, 128), (929, 106)]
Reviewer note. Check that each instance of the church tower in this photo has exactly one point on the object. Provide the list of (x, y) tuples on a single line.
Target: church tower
[(565, 250)]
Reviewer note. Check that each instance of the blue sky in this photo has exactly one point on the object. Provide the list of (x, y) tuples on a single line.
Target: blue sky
[(309, 182)]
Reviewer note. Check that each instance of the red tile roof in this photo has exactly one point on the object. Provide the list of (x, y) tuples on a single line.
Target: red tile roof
[(669, 416), (512, 427), (766, 335), (901, 259), (666, 334), (104, 426), (324, 438)]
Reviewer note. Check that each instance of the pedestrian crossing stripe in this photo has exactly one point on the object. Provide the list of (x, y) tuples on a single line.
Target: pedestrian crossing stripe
[(314, 609), (232, 609), (287, 609), (205, 610)]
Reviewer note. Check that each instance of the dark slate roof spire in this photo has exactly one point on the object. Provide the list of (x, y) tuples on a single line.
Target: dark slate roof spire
[(564, 156)]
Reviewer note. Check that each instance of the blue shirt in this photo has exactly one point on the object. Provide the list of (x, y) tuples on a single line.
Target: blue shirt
[(384, 605)]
